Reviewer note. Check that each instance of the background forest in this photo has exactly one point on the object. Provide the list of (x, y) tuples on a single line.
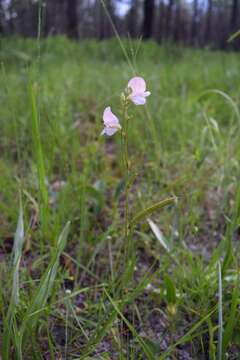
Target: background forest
[(189, 22)]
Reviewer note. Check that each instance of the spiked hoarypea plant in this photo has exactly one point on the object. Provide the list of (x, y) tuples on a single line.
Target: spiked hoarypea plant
[(136, 94)]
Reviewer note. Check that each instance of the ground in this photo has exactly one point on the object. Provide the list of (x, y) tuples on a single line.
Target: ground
[(70, 286)]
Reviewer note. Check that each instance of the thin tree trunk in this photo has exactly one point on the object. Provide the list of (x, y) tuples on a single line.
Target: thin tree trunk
[(160, 21), (72, 18), (148, 18), (208, 29), (235, 23), (1, 17), (177, 29), (132, 19), (105, 29), (168, 24), (194, 23), (234, 17)]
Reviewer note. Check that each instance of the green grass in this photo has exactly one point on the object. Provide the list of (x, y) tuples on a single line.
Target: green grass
[(68, 289)]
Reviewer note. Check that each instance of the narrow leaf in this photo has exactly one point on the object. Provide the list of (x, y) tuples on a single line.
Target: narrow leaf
[(159, 235), (17, 253), (170, 290), (220, 314), (144, 213), (45, 286)]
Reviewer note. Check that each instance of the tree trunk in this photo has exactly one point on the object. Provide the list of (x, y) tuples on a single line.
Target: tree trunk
[(72, 18), (1, 17), (132, 19), (148, 18), (194, 23), (177, 19), (106, 11), (208, 29), (168, 24), (160, 21), (234, 17), (235, 23)]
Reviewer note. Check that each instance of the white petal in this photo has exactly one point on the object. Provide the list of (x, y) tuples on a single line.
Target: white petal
[(146, 93)]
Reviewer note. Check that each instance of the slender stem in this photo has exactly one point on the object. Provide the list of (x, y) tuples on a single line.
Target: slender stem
[(126, 164)]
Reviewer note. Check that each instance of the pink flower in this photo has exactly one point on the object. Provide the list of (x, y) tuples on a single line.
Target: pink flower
[(138, 88), (111, 122)]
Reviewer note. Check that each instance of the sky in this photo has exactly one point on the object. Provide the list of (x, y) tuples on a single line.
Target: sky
[(121, 8)]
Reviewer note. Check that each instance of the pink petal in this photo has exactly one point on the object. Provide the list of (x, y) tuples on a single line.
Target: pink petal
[(109, 118), (110, 130), (138, 99), (137, 84)]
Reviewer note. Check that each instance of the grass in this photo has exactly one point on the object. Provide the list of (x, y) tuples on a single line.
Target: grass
[(66, 290)]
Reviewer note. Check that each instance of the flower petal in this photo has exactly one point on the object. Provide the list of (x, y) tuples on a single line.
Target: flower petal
[(110, 130), (138, 99), (137, 84), (109, 118), (146, 93)]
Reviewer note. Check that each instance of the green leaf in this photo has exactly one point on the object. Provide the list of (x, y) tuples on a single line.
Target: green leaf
[(170, 290), (144, 213)]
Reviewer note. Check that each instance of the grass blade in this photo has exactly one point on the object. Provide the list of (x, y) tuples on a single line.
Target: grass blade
[(228, 99), (17, 253), (45, 287), (232, 319), (187, 337), (39, 159), (141, 342), (9, 322), (220, 314)]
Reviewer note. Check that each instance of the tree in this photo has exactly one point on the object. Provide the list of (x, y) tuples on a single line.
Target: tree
[(55, 19), (208, 28), (194, 22), (160, 21), (1, 17), (168, 25), (177, 20), (132, 19), (72, 18), (106, 11), (234, 16), (148, 18)]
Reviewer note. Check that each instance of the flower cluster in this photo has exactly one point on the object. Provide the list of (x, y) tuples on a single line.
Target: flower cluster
[(136, 93)]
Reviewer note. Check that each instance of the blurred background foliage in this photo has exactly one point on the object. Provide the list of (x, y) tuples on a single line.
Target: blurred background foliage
[(188, 22)]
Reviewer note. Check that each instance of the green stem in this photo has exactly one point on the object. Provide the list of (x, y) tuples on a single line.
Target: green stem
[(126, 163)]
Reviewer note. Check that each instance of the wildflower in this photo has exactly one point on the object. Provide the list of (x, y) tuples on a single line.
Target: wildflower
[(138, 93), (111, 122)]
